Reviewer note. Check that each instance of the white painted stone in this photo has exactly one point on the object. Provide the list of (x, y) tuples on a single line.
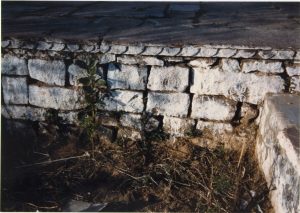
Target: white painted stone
[(107, 58), (202, 62), (226, 53), (295, 84), (24, 112), (244, 54), (242, 87), (212, 108), (173, 78), (121, 100), (12, 65), (56, 98), (173, 104), (207, 52), (58, 46), (75, 73), (214, 127), (42, 45), (177, 127), (293, 69), (15, 90), (140, 60), (131, 120), (50, 72), (69, 117), (127, 77), (262, 66), (230, 65)]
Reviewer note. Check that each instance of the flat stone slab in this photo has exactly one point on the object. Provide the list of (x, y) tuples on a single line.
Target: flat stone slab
[(278, 149), (263, 24)]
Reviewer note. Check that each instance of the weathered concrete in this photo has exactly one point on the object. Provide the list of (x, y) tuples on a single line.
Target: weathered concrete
[(278, 149)]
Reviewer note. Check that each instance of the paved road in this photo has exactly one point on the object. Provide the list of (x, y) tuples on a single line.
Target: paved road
[(275, 25)]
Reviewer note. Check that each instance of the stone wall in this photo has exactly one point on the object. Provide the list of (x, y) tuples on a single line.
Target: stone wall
[(179, 90)]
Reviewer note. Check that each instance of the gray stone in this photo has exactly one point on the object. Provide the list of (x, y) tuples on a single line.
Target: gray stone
[(230, 65), (15, 90), (214, 127), (127, 77), (226, 53), (173, 104), (24, 113), (56, 98), (69, 117), (76, 73), (173, 59), (104, 47), (5, 43), (297, 56), (178, 127), (58, 46), (16, 43), (88, 48), (170, 51), (202, 62), (295, 84), (42, 45), (244, 54), (107, 58), (207, 52), (151, 124), (127, 133), (293, 69), (12, 65), (152, 50), (248, 113), (172, 78), (262, 66), (212, 108), (50, 72), (189, 51), (121, 100), (117, 49), (277, 150), (73, 47), (140, 60), (242, 87), (266, 54), (283, 54), (131, 120), (29, 45), (135, 50)]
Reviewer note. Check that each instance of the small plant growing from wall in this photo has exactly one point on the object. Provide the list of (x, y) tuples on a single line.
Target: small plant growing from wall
[(93, 86)]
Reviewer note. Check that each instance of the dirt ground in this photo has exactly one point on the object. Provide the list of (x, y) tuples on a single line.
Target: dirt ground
[(154, 175)]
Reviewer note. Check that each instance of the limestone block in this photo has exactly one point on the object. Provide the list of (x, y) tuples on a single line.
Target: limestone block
[(50, 72), (226, 53), (75, 73), (189, 51), (248, 112), (230, 65), (277, 150), (107, 58), (56, 98), (122, 100), (140, 60), (297, 56), (244, 54), (177, 127), (15, 90), (242, 87), (173, 104), (202, 62), (135, 50), (126, 77), (173, 78), (283, 54), (87, 47), (207, 52), (151, 124), (58, 46), (131, 120), (262, 66), (42, 45), (293, 69), (151, 50), (12, 65), (212, 108), (295, 84), (73, 47), (24, 113), (214, 127), (266, 54)]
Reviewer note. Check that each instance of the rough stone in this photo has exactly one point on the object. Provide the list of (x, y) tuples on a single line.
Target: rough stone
[(230, 65), (152, 50), (42, 45), (295, 84), (170, 51), (107, 58), (297, 56), (15, 90), (248, 113), (88, 48), (266, 54), (69, 117), (151, 124), (202, 62), (12, 65), (73, 47), (226, 53), (212, 108), (244, 54), (75, 73), (24, 113), (214, 127), (277, 150), (174, 104), (207, 52), (283, 54), (56, 98), (16, 43), (172, 78), (242, 87), (108, 119), (121, 100), (5, 43), (58, 46), (117, 49), (126, 77), (173, 59), (140, 60), (50, 72), (189, 51), (177, 127), (135, 50), (293, 69), (127, 133), (262, 66), (131, 120)]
